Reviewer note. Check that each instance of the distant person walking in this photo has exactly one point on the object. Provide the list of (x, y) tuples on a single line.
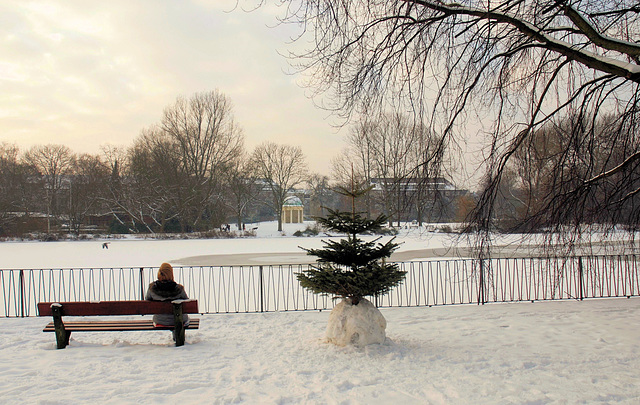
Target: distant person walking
[(166, 289), (105, 245)]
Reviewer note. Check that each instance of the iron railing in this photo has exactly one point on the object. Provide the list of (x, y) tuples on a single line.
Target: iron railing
[(275, 288)]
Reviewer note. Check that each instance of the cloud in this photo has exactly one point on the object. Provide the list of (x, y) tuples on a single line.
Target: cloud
[(88, 73)]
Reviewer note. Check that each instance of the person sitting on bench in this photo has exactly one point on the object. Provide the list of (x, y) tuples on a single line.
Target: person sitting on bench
[(166, 289)]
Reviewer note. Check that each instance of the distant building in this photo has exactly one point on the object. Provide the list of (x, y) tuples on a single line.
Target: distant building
[(292, 210), (415, 184), (424, 199)]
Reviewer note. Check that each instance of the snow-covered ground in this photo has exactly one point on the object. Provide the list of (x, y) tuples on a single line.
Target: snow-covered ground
[(542, 353)]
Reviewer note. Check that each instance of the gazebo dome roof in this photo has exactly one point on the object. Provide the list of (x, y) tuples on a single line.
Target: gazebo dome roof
[(292, 201)]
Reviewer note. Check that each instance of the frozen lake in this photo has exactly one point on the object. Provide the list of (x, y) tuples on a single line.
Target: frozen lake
[(269, 247)]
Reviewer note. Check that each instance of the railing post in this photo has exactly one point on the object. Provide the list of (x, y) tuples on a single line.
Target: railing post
[(481, 292), (581, 278), (260, 274), (22, 294), (142, 292)]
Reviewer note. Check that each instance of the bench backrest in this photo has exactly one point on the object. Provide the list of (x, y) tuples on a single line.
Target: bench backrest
[(117, 308)]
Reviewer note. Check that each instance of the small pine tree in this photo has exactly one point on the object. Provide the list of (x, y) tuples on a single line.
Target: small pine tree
[(352, 268)]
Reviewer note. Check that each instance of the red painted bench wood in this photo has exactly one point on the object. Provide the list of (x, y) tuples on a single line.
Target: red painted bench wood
[(96, 308), (107, 308)]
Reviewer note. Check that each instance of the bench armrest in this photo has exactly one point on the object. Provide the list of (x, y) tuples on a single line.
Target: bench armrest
[(182, 301)]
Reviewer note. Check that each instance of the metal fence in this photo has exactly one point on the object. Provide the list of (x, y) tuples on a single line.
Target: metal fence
[(276, 288)]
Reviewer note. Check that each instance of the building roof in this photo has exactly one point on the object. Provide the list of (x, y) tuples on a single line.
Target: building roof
[(292, 201)]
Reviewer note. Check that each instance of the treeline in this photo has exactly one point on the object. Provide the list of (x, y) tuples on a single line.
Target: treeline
[(558, 164), (190, 172), (399, 161), (566, 163)]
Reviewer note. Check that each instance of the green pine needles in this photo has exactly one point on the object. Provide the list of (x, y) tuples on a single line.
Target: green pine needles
[(352, 268)]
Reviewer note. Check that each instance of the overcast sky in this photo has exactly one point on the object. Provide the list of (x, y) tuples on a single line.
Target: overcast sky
[(89, 73)]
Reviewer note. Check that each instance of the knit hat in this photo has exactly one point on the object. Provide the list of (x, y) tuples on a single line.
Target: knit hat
[(165, 272)]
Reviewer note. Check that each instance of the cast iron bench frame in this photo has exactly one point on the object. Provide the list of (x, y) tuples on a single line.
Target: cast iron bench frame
[(108, 308)]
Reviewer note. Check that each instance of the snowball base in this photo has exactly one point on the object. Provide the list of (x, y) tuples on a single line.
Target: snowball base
[(357, 325)]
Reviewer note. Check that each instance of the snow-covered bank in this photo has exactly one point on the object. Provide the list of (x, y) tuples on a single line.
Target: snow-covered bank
[(542, 353)]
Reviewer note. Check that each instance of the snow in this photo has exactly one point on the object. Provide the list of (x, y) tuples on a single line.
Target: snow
[(359, 325), (541, 353), (554, 352)]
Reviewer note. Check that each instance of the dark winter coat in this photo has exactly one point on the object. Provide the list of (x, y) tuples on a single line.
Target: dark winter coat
[(166, 291)]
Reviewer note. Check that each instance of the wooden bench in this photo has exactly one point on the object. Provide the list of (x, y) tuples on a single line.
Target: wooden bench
[(107, 308)]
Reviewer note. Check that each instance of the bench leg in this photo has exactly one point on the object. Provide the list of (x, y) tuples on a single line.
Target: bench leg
[(179, 333), (179, 324), (62, 335), (62, 340)]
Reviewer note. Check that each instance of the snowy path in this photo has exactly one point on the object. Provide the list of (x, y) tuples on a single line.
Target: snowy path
[(542, 353)]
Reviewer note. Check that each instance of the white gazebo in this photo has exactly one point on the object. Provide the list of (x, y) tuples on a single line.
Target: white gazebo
[(292, 210)]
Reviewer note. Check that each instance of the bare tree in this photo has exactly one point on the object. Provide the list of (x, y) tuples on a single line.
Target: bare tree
[(9, 180), (52, 162), (282, 168), (86, 182), (321, 194), (178, 169), (353, 168), (388, 150), (242, 188), (157, 188), (550, 164), (16, 193), (426, 198), (209, 141), (116, 158), (393, 141), (512, 66)]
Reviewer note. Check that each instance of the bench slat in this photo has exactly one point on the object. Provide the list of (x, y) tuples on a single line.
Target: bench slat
[(63, 329), (117, 308), (113, 326)]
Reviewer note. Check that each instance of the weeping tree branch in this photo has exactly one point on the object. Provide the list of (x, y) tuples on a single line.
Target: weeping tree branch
[(589, 59), (526, 72)]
